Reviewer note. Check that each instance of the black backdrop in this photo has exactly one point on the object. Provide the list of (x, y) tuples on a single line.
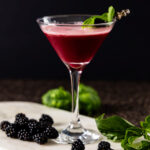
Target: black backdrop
[(26, 53)]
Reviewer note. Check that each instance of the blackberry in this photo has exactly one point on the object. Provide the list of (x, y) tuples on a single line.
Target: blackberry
[(40, 138), (11, 131), (33, 126), (51, 132), (21, 119), (103, 145), (4, 125), (44, 125), (24, 135), (46, 120), (78, 145)]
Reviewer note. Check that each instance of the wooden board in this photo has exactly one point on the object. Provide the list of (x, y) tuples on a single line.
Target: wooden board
[(8, 110)]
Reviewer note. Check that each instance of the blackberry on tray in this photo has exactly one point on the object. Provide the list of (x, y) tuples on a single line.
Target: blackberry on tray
[(103, 145), (4, 125), (11, 131), (33, 126), (24, 135), (46, 120), (40, 138), (21, 119), (51, 132), (30, 129), (78, 145)]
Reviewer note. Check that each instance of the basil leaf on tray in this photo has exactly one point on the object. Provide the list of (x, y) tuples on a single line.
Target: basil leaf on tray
[(131, 137), (134, 141), (113, 127), (146, 127)]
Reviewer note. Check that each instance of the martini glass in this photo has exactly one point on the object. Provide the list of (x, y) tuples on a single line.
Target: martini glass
[(76, 46)]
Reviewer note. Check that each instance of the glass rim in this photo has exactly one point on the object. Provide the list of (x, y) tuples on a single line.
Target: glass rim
[(40, 21)]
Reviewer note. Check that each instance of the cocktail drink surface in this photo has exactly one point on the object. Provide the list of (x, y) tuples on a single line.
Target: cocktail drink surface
[(76, 46)]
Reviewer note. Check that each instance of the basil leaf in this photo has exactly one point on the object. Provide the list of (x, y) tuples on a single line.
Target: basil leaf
[(131, 142), (146, 127), (145, 145), (139, 145), (110, 14), (146, 123), (113, 127), (103, 17), (142, 145), (147, 133), (89, 21)]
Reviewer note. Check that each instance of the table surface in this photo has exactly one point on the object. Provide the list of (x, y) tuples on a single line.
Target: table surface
[(129, 99)]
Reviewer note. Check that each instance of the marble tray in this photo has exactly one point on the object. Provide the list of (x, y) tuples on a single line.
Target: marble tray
[(8, 110)]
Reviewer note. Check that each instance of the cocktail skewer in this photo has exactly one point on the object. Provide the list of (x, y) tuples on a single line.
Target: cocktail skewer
[(122, 14)]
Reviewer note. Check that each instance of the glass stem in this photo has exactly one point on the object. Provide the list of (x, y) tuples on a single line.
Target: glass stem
[(75, 80)]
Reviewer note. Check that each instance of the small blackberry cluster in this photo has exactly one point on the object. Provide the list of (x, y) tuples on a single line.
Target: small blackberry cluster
[(30, 129), (78, 145), (103, 145)]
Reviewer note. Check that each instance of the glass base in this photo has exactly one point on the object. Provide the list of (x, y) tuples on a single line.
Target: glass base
[(75, 131)]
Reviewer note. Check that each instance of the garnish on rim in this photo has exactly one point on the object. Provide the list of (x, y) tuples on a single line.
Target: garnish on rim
[(123, 13), (106, 17)]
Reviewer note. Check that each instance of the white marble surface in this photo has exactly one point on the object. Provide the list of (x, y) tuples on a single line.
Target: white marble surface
[(8, 110)]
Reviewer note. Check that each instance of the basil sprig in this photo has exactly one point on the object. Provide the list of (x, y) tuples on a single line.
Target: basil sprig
[(113, 127), (107, 17), (131, 137)]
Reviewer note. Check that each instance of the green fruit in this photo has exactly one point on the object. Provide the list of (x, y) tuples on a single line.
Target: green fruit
[(89, 100)]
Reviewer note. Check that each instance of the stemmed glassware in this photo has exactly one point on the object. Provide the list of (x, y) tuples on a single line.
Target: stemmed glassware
[(76, 46)]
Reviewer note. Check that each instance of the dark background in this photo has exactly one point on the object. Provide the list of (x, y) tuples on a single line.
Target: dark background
[(26, 53)]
